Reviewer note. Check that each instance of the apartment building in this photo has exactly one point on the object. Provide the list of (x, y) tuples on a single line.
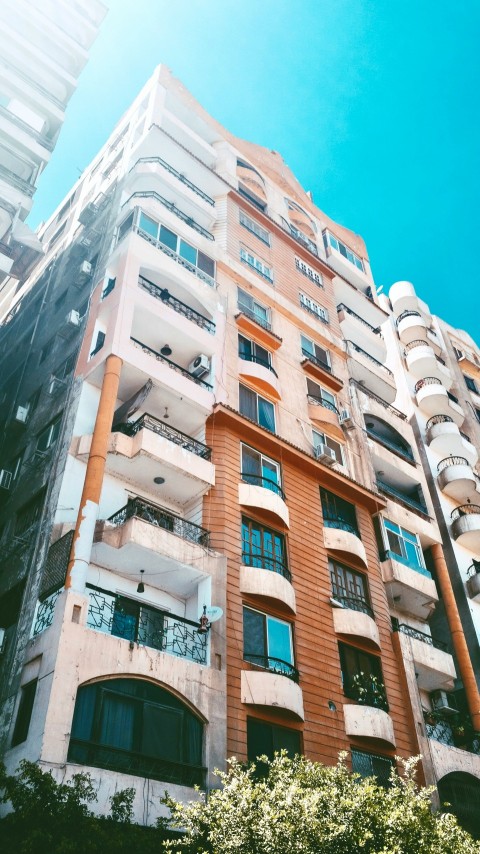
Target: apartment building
[(44, 46), (220, 534)]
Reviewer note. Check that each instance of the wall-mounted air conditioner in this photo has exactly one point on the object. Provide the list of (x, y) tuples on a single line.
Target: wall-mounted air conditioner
[(345, 418), (442, 701), (5, 479), (324, 454), (21, 414), (199, 366)]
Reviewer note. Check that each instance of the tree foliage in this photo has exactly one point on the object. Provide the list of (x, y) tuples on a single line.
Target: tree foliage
[(303, 807)]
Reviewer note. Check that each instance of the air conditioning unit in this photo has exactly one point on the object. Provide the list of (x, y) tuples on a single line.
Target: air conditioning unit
[(72, 322), (84, 272), (21, 414), (200, 366), (345, 418), (55, 385), (325, 454), (3, 638), (442, 701), (5, 479)]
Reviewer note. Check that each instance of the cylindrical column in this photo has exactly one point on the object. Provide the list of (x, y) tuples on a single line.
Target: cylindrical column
[(87, 515), (458, 637)]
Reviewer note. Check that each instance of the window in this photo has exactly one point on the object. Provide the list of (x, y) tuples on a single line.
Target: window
[(458, 353), (308, 271), (403, 545), (313, 307), (470, 383), (257, 408), (29, 514), (265, 739), (56, 237), (362, 677), (250, 351), (255, 228), (260, 470), (318, 354), (477, 414), (99, 342), (24, 714), (349, 587), (340, 247), (66, 367), (46, 349), (336, 447), (267, 642), (338, 513), (171, 240), (321, 395), (263, 548), (258, 265), (49, 434), (369, 765), (258, 312), (134, 726), (125, 226), (15, 465)]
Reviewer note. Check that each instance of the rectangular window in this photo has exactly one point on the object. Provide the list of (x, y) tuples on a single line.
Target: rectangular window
[(256, 408), (263, 548), (308, 271), (267, 642), (49, 434), (336, 447), (313, 307), (153, 229), (259, 266), (404, 545), (338, 513), (458, 353), (369, 765), (24, 714), (318, 354), (330, 240), (349, 587), (125, 226), (29, 514), (250, 351), (259, 470), (265, 739), (258, 312), (16, 465), (362, 677), (321, 395), (46, 350), (470, 383), (255, 228)]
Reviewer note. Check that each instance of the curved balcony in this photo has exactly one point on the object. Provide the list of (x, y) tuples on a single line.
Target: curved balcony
[(411, 326), (434, 666), (445, 438), (325, 413), (456, 478), (466, 526), (368, 722), (343, 537), (260, 373), (403, 297), (356, 620), (271, 582), (371, 373), (423, 362), (272, 689), (357, 329), (410, 589), (263, 494), (473, 582), (433, 398)]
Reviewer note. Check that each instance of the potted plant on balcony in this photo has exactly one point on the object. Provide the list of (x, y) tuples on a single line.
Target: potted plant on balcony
[(369, 690)]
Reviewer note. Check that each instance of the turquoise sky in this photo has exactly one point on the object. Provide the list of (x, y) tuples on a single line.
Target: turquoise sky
[(374, 105)]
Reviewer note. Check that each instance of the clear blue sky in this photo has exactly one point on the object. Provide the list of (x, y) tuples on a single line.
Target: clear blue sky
[(374, 105)]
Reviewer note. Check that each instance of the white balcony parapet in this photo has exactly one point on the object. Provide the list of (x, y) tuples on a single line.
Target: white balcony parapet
[(368, 722), (273, 690)]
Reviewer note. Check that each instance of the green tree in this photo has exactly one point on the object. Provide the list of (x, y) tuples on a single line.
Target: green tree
[(303, 807)]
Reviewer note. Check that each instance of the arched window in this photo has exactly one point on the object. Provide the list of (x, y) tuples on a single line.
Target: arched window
[(251, 184), (136, 727), (462, 793), (301, 219), (386, 435)]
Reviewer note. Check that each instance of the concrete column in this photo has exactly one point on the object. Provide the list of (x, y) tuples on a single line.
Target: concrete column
[(88, 511), (459, 643)]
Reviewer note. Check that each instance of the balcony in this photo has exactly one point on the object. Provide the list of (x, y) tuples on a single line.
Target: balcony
[(368, 722), (347, 265), (390, 440), (355, 328), (434, 667), (466, 526), (410, 500), (155, 172), (267, 578), (323, 412), (146, 626), (445, 438), (410, 588), (403, 297), (273, 687), (473, 581), (411, 326), (368, 371), (434, 399), (261, 373), (456, 478), (320, 370), (453, 731), (182, 308), (423, 362), (355, 619), (179, 369), (173, 255), (343, 536), (263, 494)]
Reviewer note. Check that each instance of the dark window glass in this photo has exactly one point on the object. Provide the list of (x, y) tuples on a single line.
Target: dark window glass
[(149, 225), (267, 641), (49, 435), (470, 383), (265, 739), (338, 513), (248, 403), (188, 252), (60, 301), (29, 514), (262, 547), (370, 765), (24, 715), (125, 226), (362, 669), (206, 264), (349, 587), (168, 238)]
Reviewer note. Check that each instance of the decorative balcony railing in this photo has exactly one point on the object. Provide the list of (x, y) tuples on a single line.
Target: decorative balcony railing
[(331, 521), (145, 625), (188, 220), (354, 603), (464, 510), (407, 313), (172, 365), (266, 482), (175, 256), (15, 180), (272, 563), (316, 361), (249, 357), (391, 444), (44, 614), (408, 501), (454, 731), (427, 381), (418, 635), (366, 688), (274, 665), (343, 307), (148, 422), (320, 401), (370, 358), (438, 419), (414, 344), (262, 321), (452, 461), (302, 238), (161, 518), (177, 175), (165, 296)]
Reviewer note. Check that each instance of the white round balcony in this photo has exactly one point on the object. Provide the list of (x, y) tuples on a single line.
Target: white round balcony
[(422, 362), (445, 438), (411, 326), (466, 526), (271, 581), (433, 399), (403, 297), (457, 479)]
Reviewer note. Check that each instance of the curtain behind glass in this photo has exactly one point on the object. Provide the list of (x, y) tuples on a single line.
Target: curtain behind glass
[(248, 403), (117, 721), (162, 733), (254, 639), (266, 414)]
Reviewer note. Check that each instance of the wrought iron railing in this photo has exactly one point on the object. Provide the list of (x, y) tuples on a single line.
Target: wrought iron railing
[(44, 614), (407, 313), (367, 690), (303, 239), (427, 381), (250, 357), (161, 518), (354, 603), (148, 422), (455, 730), (320, 401), (266, 482), (342, 307), (145, 625), (452, 461), (172, 365), (176, 257), (452, 397), (274, 665), (408, 500), (55, 568), (418, 635), (438, 419), (262, 273), (170, 206), (378, 399), (181, 307), (264, 323), (316, 361), (264, 561), (177, 175), (464, 436), (464, 510), (331, 521), (133, 762), (370, 358), (398, 448), (414, 344)]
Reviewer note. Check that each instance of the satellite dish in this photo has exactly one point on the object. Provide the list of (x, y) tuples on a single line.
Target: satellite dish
[(214, 613)]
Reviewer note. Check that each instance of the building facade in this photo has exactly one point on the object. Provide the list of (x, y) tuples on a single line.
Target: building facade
[(221, 531)]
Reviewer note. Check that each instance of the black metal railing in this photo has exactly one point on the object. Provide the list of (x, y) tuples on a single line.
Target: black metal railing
[(454, 731), (370, 358), (367, 690), (170, 206), (265, 324), (161, 518), (204, 277), (438, 419), (409, 501), (379, 399), (331, 521), (316, 361), (177, 175), (418, 635), (391, 444), (320, 401), (266, 482), (274, 665), (172, 365), (464, 436), (249, 357), (465, 510), (149, 422), (452, 461), (414, 344), (265, 561), (375, 329), (133, 762), (407, 313), (44, 613), (165, 296), (143, 624), (354, 603), (427, 381), (303, 239)]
